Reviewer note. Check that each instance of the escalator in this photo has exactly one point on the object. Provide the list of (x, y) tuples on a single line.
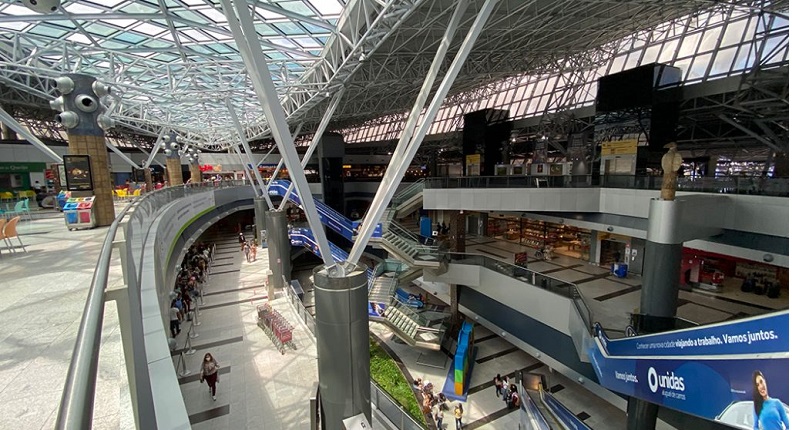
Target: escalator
[(327, 215), (707, 371)]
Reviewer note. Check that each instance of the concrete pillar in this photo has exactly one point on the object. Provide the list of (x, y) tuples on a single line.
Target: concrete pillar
[(659, 293), (594, 247), (173, 168), (148, 179), (81, 112), (456, 230), (259, 211), (342, 344), (195, 172), (278, 246)]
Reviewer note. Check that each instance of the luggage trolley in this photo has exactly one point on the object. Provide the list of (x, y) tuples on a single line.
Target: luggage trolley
[(276, 327)]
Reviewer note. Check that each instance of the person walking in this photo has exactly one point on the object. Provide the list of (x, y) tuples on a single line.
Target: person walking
[(209, 369), (458, 416), (253, 250), (246, 250), (498, 385)]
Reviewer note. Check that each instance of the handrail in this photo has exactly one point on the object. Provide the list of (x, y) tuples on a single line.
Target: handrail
[(562, 288), (720, 184), (77, 402), (408, 192)]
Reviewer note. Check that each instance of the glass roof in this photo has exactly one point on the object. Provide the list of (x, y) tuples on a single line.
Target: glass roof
[(169, 52)]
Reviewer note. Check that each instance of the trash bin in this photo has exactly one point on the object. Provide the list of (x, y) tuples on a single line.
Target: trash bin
[(620, 270)]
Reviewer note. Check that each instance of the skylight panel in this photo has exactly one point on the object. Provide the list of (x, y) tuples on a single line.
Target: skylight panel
[(298, 7), (99, 29), (129, 37), (286, 43), (326, 7), (269, 15), (17, 10), (18, 26), (213, 14), (289, 29), (191, 16), (120, 22), (138, 7), (196, 35), (193, 2), (149, 29), (307, 42), (79, 8), (79, 38), (46, 30)]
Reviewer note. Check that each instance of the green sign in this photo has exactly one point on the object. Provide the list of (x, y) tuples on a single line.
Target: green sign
[(22, 167)]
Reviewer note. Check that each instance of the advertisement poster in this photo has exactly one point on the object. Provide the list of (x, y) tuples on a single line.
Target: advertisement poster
[(78, 172), (723, 372), (473, 163)]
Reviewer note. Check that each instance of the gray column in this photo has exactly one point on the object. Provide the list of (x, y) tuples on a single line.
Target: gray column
[(342, 344), (660, 290), (278, 246), (594, 247), (259, 211)]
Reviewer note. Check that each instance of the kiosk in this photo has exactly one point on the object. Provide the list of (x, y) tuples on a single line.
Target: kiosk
[(78, 213)]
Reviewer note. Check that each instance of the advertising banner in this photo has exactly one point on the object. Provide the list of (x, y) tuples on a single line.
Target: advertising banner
[(725, 381), (78, 172), (764, 334)]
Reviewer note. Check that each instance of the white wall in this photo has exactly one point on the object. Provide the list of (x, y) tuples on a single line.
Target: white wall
[(755, 214), (31, 154)]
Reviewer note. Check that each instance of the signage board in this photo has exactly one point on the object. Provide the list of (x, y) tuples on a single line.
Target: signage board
[(620, 147), (78, 172)]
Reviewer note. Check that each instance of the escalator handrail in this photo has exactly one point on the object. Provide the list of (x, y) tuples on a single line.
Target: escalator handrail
[(561, 412)]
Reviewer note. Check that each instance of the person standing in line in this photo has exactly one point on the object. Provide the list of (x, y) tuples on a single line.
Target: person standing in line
[(175, 316), (209, 369), (498, 385), (458, 416)]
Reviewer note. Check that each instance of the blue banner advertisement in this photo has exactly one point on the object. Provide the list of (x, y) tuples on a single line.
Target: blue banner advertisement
[(748, 391), (764, 334)]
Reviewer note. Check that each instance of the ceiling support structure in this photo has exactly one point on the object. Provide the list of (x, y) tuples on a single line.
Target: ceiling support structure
[(279, 166), (155, 148), (749, 132), (262, 189), (404, 154), (121, 154), (245, 169), (8, 120), (316, 137), (241, 25)]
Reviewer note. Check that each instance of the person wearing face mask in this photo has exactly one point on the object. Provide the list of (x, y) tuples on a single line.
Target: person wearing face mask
[(209, 369), (770, 412)]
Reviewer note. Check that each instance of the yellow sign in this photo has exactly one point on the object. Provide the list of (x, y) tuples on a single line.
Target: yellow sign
[(473, 163), (620, 147)]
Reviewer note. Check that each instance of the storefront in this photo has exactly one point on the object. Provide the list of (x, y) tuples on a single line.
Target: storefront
[(21, 176), (751, 281), (561, 238)]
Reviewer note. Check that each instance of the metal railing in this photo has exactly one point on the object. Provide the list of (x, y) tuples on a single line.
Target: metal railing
[(721, 184), (77, 402), (530, 277), (408, 192)]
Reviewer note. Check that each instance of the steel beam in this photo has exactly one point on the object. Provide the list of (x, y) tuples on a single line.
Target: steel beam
[(254, 168), (749, 132), (8, 120), (405, 155), (256, 65), (317, 136), (245, 169), (156, 148), (121, 154)]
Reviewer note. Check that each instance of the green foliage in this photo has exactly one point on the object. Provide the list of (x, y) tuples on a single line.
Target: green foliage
[(389, 377)]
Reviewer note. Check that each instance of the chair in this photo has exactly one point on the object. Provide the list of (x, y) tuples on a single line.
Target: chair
[(19, 208), (2, 227), (6, 196), (26, 208), (136, 193), (122, 193), (10, 231)]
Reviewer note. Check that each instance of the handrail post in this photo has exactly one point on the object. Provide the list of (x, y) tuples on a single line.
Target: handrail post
[(184, 370)]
